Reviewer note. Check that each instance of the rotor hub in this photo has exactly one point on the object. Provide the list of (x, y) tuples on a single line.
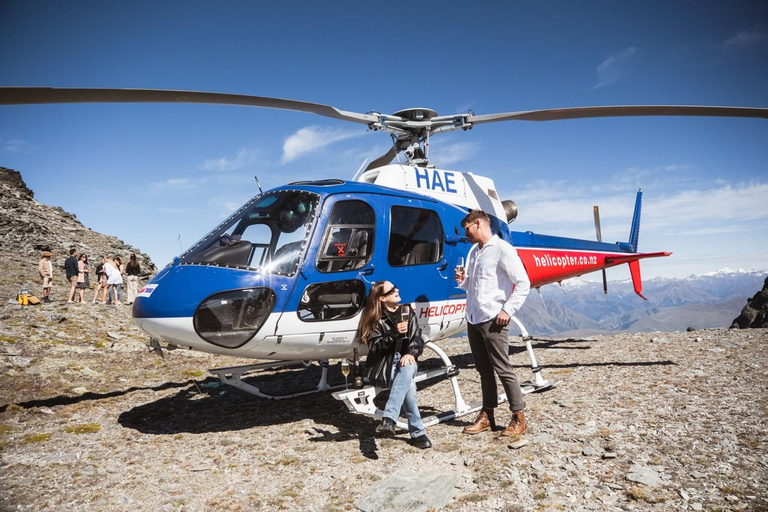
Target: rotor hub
[(416, 114)]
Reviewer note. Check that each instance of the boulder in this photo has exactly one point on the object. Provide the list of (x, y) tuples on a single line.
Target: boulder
[(755, 313)]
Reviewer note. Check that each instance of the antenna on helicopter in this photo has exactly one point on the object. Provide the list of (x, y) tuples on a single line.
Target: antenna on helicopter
[(359, 169), (258, 184)]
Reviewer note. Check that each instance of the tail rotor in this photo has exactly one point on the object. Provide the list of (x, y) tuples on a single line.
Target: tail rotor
[(596, 211)]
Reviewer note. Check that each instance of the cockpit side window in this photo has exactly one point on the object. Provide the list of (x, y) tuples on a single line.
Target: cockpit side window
[(348, 239), (415, 237)]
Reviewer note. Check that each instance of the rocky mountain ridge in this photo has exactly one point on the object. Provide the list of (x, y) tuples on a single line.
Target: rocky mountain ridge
[(28, 227)]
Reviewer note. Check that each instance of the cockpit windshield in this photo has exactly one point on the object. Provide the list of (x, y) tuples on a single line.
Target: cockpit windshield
[(268, 233)]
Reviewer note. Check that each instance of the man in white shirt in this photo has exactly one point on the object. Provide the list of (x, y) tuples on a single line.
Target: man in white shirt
[(496, 284)]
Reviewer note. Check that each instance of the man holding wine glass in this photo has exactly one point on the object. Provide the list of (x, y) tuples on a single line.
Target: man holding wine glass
[(496, 284), (393, 336)]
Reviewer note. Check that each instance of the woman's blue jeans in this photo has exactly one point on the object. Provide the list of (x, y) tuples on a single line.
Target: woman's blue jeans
[(402, 395)]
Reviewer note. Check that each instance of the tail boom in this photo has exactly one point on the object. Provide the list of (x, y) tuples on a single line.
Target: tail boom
[(547, 265)]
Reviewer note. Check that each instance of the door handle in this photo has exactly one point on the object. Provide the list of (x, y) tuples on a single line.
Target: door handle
[(455, 239), (443, 265), (366, 272)]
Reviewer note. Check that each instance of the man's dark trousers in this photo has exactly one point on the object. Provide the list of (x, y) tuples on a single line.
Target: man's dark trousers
[(490, 349)]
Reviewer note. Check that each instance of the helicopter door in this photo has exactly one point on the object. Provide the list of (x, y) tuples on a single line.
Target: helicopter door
[(336, 275), (414, 259)]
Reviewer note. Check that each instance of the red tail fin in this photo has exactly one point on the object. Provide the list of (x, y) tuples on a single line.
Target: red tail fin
[(637, 281)]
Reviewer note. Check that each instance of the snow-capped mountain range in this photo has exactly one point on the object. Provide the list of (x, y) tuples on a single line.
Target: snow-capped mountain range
[(699, 301)]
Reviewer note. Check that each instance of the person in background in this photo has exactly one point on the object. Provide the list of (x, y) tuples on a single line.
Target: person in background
[(46, 273), (393, 346), (71, 269), (132, 271), (117, 297), (497, 285), (83, 279), (101, 277), (114, 279)]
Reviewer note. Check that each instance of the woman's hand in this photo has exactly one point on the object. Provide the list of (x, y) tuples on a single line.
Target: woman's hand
[(402, 327), (407, 359)]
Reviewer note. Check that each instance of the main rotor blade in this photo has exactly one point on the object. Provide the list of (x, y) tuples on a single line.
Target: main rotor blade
[(556, 114), (38, 95)]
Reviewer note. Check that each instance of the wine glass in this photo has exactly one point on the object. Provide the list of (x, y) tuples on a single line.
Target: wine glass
[(345, 371)]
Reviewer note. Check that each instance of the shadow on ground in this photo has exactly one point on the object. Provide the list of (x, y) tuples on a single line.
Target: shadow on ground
[(210, 407)]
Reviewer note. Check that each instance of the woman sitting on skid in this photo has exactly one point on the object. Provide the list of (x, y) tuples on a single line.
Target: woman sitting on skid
[(394, 341)]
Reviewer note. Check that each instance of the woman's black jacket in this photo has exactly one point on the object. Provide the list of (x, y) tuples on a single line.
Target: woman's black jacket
[(382, 344)]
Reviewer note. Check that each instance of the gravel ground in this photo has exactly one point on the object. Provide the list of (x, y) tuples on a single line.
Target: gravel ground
[(91, 420)]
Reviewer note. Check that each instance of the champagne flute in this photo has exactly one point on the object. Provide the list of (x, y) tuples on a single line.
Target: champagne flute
[(460, 266), (405, 314), (345, 371)]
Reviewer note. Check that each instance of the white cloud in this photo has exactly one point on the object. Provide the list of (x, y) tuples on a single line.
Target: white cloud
[(634, 178), (725, 207), (12, 145), (314, 137), (228, 207), (453, 153), (558, 208), (675, 168), (746, 38), (174, 184), (612, 69), (715, 230), (173, 211), (244, 157)]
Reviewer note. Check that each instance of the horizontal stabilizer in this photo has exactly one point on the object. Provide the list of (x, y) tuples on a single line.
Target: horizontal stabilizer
[(634, 266), (634, 257)]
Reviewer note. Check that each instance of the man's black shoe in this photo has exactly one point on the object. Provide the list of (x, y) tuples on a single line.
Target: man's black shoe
[(386, 428), (422, 442)]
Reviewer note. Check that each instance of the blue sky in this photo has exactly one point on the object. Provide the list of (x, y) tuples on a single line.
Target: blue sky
[(149, 173)]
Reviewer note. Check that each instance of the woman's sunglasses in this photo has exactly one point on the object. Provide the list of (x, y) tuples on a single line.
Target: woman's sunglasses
[(390, 292)]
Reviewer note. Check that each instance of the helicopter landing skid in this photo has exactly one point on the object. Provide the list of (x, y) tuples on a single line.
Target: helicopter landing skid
[(538, 383), (232, 375), (361, 400)]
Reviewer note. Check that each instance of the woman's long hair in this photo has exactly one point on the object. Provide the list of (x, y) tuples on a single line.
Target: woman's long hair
[(371, 312), (132, 261)]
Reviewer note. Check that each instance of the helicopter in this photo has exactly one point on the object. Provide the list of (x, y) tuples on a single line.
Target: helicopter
[(285, 277)]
